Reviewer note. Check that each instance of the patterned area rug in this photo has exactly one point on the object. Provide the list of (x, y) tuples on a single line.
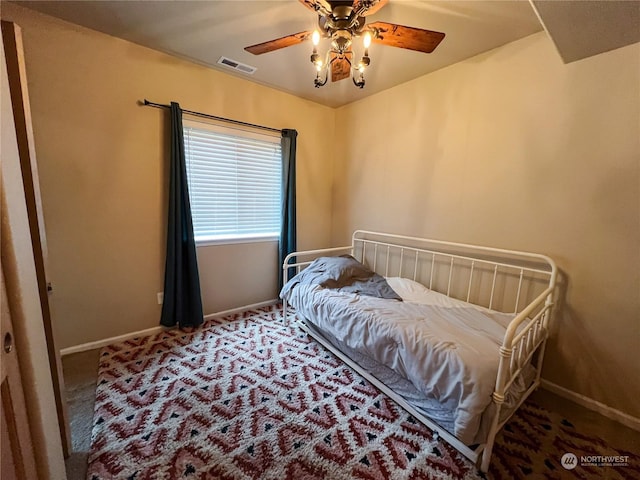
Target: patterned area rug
[(252, 397)]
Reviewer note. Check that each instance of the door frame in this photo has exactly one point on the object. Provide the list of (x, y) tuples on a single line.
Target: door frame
[(18, 91)]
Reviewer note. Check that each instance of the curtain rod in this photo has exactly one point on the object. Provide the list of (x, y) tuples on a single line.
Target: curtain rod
[(213, 117)]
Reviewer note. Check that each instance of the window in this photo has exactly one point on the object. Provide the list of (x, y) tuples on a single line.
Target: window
[(234, 181)]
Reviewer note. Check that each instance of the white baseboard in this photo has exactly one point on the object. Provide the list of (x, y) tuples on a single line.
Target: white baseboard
[(224, 313), (604, 410), (154, 330)]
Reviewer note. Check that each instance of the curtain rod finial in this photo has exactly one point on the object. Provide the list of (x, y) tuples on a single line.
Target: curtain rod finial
[(143, 102)]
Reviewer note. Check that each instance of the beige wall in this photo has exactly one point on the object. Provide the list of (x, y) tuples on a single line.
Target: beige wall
[(103, 174), (515, 149), (228, 289)]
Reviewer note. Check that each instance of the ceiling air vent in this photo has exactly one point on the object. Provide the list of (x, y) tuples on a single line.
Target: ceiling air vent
[(240, 67)]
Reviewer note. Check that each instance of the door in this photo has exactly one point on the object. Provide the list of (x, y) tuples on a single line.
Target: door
[(14, 56), (18, 461)]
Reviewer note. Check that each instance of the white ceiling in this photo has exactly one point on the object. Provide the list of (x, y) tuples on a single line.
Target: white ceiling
[(203, 31), (581, 29)]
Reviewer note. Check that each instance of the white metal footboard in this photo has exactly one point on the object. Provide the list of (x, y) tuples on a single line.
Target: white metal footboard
[(520, 283)]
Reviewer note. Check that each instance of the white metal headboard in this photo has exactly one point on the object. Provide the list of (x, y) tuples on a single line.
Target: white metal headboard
[(498, 279)]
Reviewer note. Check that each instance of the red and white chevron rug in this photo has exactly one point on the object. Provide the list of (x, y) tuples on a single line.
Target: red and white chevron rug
[(251, 397)]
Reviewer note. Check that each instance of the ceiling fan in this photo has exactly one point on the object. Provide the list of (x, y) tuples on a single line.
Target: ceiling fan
[(341, 21)]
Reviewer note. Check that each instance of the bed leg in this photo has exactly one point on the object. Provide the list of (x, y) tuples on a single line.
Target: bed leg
[(491, 438), (486, 460)]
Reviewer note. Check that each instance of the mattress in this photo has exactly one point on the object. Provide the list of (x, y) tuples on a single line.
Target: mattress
[(440, 353)]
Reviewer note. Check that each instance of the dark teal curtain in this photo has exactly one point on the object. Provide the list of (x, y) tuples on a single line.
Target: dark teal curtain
[(288, 231), (182, 300)]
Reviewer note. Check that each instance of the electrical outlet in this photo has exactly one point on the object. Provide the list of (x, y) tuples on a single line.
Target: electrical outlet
[(160, 298)]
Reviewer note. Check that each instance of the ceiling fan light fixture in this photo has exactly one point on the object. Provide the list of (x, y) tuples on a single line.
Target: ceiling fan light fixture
[(322, 76), (366, 40), (341, 21), (358, 80), (338, 58), (365, 61)]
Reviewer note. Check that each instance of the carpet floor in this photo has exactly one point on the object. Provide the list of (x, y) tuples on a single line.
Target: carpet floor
[(80, 370), (252, 397)]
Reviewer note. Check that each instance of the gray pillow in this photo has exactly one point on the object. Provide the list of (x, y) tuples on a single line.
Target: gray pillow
[(345, 274), (340, 271)]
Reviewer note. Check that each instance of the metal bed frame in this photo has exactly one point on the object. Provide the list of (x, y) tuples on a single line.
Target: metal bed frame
[(508, 281)]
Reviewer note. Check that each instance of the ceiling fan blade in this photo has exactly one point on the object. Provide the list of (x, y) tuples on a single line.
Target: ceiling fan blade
[(278, 43), (405, 37), (370, 6), (322, 7), (340, 66)]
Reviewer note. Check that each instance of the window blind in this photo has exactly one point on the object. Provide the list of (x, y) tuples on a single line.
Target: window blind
[(234, 183)]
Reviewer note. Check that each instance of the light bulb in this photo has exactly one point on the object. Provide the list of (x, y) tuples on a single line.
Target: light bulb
[(367, 40), (319, 65), (315, 37)]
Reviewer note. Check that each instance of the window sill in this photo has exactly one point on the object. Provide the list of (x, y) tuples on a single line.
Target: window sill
[(205, 242)]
